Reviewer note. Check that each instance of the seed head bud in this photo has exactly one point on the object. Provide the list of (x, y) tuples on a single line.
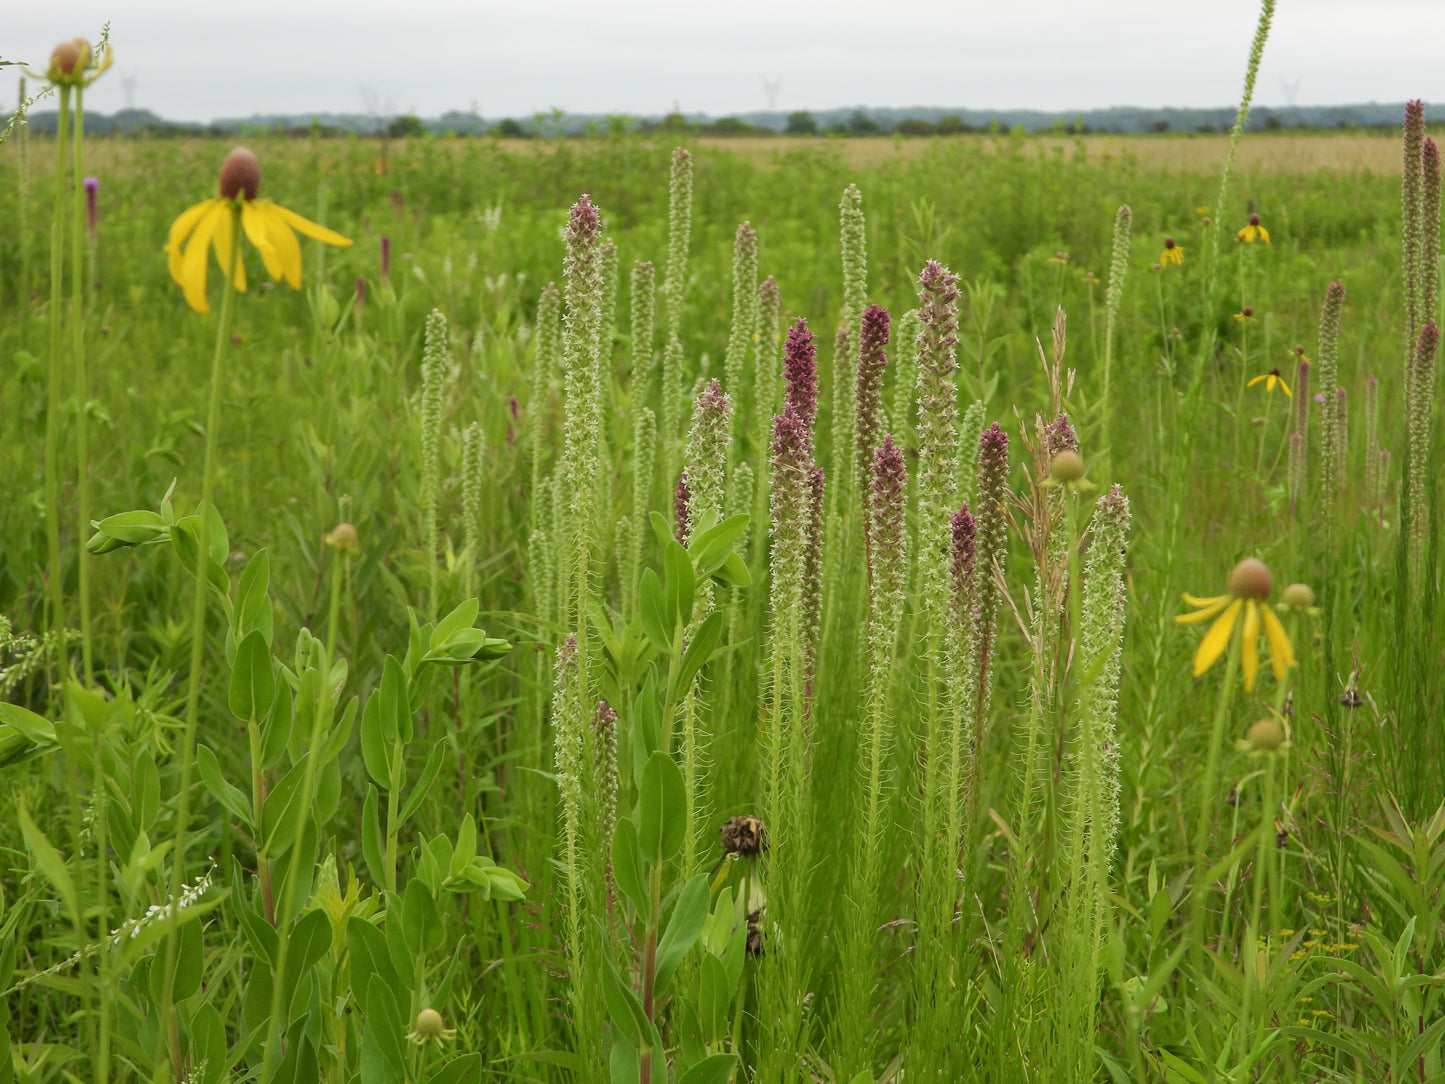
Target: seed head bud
[(1266, 736), (1297, 596), (1067, 466), (240, 175), (68, 61), (1254, 220), (344, 537), (429, 1023), (1169, 242), (1250, 579)]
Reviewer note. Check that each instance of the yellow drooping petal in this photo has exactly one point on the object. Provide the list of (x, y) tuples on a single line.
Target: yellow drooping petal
[(192, 277), (1281, 651), (1256, 380), (182, 228), (1216, 639), (1263, 234), (258, 229), (1287, 393), (288, 249), (1208, 607), (310, 229), (225, 240), (1250, 654)]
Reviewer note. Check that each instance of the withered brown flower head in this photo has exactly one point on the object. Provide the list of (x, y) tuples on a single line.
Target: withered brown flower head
[(744, 835)]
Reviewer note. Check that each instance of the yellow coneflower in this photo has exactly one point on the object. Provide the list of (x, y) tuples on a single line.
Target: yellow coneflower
[(1172, 253), (1252, 232), (1249, 588), (1245, 315), (1270, 379), (1201, 210), (210, 224)]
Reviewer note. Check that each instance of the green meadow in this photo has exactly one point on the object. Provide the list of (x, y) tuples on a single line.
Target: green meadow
[(645, 613)]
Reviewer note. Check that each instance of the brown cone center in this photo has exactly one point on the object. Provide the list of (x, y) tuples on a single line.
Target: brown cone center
[(240, 175)]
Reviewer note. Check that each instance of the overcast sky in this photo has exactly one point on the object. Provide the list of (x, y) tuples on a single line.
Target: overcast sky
[(190, 61)]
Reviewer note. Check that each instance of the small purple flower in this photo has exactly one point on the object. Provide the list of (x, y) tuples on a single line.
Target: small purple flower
[(512, 403), (386, 255), (92, 186)]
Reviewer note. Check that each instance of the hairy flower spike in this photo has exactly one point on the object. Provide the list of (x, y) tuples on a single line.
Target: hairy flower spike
[(643, 290), (745, 306), (1412, 225), (707, 447), (962, 559), (872, 359), (1429, 229), (674, 290), (1327, 366), (800, 373), (1374, 497), (435, 359), (765, 367), (681, 499), (1060, 436), (1417, 482), (472, 491)]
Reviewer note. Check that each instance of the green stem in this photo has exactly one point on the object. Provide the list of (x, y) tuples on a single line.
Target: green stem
[(52, 409), (198, 629), (1208, 785), (77, 323)]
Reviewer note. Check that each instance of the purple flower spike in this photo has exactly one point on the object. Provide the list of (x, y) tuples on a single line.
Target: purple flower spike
[(92, 187), (386, 255), (682, 496), (800, 373), (872, 358)]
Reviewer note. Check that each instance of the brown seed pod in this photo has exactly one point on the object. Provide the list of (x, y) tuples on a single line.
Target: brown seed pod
[(1250, 579)]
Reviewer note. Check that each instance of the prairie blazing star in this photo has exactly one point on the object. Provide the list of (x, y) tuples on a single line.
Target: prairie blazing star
[(211, 224), (1172, 253), (1270, 379), (1249, 588), (1253, 232)]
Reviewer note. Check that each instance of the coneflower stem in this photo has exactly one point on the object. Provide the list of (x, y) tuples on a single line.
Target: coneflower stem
[(1207, 790), (198, 627), (52, 407), (77, 323)]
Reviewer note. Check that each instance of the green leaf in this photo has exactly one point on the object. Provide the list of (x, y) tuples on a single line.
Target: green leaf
[(276, 729), (656, 623), (710, 549), (662, 806), (503, 883), (459, 1070), (704, 642), (230, 796), (661, 529), (466, 848), (375, 750), (384, 1021), (711, 1070), (421, 921), (208, 1042), (48, 860), (463, 617), (622, 1063), (395, 702), (371, 837), (367, 957), (734, 571), (714, 998), (147, 791), (683, 929), (422, 788), (190, 960), (139, 528), (253, 605), (284, 809), (310, 940), (253, 682), (625, 1009), (680, 583), (31, 727), (628, 868)]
